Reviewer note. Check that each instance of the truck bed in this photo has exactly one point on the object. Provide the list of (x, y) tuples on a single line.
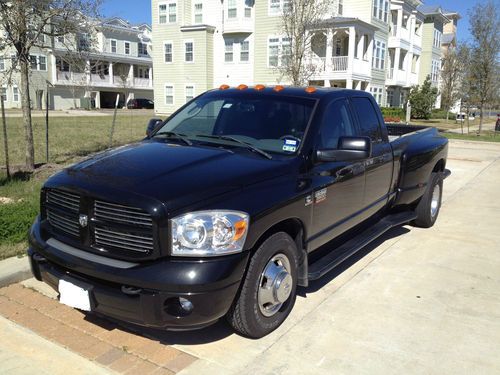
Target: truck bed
[(399, 130)]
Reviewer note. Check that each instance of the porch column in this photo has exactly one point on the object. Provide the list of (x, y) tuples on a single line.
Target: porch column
[(53, 69), (87, 71), (397, 56), (348, 83), (400, 22), (150, 76), (111, 75), (131, 75), (326, 83), (352, 44)]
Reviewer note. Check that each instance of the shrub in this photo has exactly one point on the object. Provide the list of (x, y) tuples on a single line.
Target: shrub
[(422, 99)]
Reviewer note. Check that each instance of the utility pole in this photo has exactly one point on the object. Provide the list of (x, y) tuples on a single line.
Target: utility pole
[(5, 143)]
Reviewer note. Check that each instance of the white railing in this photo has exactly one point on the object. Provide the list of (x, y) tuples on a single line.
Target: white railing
[(339, 63), (141, 82), (99, 78), (70, 77)]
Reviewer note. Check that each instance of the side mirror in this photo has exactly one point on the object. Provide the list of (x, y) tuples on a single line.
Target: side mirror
[(152, 125), (349, 149)]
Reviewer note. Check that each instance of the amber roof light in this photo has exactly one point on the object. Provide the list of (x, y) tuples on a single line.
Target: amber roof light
[(279, 88), (259, 87), (310, 89), (223, 87), (242, 87)]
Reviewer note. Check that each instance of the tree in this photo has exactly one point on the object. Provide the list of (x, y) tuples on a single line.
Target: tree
[(298, 20), (422, 100), (27, 24), (452, 76), (484, 60)]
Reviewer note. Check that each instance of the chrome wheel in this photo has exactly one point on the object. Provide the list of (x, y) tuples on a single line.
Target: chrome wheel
[(275, 285), (435, 200)]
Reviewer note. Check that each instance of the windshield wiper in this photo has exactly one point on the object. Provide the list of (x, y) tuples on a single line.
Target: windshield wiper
[(180, 136), (246, 144)]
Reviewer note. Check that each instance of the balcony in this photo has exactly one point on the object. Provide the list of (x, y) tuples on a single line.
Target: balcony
[(339, 64), (238, 25), (101, 80)]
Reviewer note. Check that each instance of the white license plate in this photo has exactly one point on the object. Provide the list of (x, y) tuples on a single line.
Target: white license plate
[(73, 295)]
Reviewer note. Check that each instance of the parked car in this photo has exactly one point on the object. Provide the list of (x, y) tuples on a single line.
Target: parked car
[(497, 124), (223, 210), (140, 104)]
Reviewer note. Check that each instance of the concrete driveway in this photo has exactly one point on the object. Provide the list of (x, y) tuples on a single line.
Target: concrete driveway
[(418, 301)]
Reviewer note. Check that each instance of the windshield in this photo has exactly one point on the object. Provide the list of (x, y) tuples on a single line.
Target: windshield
[(269, 123)]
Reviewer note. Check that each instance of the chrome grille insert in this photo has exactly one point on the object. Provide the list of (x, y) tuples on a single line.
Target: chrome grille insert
[(64, 223), (63, 199), (123, 240), (121, 214)]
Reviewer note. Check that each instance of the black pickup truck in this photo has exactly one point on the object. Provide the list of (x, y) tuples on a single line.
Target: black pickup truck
[(225, 208)]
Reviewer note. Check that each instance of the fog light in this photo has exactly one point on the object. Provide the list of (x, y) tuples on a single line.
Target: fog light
[(178, 307)]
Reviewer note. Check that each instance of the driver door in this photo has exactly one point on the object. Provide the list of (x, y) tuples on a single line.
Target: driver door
[(338, 187)]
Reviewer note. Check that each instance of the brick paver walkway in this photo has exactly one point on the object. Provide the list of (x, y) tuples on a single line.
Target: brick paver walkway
[(95, 339)]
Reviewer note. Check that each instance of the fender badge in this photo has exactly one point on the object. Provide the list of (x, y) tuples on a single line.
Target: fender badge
[(83, 220), (320, 196)]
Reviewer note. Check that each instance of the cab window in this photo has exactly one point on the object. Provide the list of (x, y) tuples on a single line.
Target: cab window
[(337, 122), (368, 119)]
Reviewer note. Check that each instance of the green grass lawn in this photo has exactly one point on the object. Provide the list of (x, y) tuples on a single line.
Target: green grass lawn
[(70, 139), (484, 137)]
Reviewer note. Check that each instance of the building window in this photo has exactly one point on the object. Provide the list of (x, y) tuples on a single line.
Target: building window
[(127, 48), (162, 13), (248, 11), (84, 42), (142, 49), (42, 63), (340, 7), (228, 50), (188, 52), (113, 46), (169, 53), (15, 94), (172, 12), (390, 98), (276, 7), (3, 93), (381, 10), (279, 51), (435, 70), (2, 64), (169, 94), (244, 51), (189, 92), (378, 60), (33, 63), (414, 64), (232, 10), (198, 13), (60, 39), (437, 38), (377, 92)]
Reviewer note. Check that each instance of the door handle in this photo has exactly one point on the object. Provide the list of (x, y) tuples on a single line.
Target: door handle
[(345, 172)]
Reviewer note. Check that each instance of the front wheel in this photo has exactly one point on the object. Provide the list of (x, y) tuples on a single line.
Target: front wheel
[(268, 292), (428, 208)]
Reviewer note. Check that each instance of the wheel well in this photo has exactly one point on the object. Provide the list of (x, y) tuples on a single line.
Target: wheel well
[(295, 229), (439, 167)]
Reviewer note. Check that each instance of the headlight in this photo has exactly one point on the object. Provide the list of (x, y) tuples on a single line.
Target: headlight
[(209, 233)]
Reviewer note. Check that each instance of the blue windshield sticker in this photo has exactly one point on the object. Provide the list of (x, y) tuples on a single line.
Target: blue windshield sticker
[(290, 145)]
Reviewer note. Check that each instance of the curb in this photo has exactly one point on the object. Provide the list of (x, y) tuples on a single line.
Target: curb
[(14, 270)]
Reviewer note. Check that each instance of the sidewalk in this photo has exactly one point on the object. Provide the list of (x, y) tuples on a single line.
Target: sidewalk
[(24, 352)]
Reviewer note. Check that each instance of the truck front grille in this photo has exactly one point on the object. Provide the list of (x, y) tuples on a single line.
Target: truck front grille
[(121, 230), (117, 238), (121, 214)]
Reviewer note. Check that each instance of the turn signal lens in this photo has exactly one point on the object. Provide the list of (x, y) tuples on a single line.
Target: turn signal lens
[(259, 87), (279, 88), (310, 89), (223, 87), (242, 87), (240, 229)]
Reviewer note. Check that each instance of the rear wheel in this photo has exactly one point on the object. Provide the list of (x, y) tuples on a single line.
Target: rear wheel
[(268, 292), (428, 208)]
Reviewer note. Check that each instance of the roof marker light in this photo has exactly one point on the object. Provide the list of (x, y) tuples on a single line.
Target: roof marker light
[(310, 89), (279, 88), (223, 87), (259, 87), (242, 87)]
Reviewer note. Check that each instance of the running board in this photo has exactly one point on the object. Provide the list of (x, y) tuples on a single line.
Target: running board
[(333, 259)]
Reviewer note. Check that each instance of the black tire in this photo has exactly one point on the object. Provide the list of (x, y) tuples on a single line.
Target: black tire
[(245, 316), (426, 215)]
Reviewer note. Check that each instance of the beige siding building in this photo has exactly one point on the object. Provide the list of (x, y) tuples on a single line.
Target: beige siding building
[(371, 45), (88, 69)]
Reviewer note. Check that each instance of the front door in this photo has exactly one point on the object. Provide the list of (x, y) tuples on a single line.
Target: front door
[(338, 187), (39, 99)]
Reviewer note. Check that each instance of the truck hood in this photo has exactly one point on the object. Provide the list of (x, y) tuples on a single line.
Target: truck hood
[(173, 174)]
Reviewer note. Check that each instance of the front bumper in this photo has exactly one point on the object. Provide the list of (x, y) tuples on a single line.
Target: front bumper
[(146, 294)]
